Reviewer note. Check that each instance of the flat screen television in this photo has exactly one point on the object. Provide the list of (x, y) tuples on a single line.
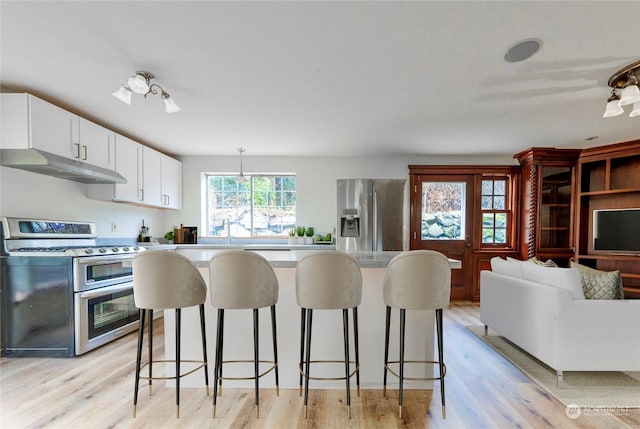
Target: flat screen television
[(616, 230)]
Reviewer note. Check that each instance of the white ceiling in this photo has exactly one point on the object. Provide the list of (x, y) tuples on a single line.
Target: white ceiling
[(330, 78)]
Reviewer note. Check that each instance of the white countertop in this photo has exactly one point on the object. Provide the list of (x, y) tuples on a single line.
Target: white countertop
[(288, 258)]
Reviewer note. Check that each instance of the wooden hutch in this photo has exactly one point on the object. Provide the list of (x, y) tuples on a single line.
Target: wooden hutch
[(547, 218)]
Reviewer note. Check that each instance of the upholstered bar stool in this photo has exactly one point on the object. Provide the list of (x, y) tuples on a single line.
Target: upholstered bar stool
[(166, 280), (328, 280), (239, 279), (416, 280)]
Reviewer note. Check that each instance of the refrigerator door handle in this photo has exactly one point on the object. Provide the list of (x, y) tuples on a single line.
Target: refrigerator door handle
[(374, 233)]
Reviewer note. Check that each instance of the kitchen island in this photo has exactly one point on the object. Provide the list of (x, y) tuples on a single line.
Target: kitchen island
[(327, 331)]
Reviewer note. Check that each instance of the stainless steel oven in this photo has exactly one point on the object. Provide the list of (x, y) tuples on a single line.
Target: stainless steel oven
[(63, 293), (104, 308)]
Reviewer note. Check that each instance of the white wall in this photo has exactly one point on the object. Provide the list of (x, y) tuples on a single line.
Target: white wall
[(34, 195)]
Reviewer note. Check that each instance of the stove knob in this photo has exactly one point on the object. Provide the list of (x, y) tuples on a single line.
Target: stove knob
[(115, 250), (102, 250), (88, 251), (125, 249), (135, 249)]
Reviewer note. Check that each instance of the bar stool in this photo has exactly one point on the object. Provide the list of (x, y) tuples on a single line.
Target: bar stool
[(416, 280), (328, 280), (166, 280), (243, 280)]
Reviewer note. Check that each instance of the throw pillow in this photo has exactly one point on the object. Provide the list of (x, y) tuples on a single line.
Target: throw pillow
[(563, 278), (598, 284), (547, 263), (508, 268)]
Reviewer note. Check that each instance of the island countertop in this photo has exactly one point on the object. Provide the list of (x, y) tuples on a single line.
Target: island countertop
[(288, 258)]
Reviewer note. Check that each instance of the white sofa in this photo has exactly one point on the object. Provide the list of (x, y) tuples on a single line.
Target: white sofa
[(565, 332)]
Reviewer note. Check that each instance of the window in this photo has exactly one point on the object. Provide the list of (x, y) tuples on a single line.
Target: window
[(261, 206), (495, 211)]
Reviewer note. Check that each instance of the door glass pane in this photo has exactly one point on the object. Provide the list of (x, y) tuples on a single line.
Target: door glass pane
[(443, 216)]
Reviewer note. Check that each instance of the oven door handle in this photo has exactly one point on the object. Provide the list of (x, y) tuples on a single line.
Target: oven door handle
[(105, 291)]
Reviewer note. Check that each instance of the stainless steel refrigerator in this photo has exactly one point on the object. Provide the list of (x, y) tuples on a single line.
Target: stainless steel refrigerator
[(372, 215)]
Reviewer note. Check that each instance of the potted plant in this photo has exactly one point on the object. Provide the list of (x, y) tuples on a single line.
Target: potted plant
[(300, 230), (169, 237), (292, 236), (309, 235)]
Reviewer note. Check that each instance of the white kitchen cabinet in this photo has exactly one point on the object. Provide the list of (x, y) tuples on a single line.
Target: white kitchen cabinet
[(128, 163), (151, 177), (31, 123), (96, 146), (171, 183)]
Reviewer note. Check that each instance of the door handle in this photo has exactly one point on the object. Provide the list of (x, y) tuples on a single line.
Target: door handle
[(468, 244)]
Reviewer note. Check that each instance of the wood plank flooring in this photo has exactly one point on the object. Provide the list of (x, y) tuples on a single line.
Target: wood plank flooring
[(96, 390)]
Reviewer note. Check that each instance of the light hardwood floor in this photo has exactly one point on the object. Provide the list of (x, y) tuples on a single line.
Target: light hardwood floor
[(96, 390)]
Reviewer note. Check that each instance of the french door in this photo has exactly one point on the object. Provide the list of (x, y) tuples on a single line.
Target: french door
[(442, 214)]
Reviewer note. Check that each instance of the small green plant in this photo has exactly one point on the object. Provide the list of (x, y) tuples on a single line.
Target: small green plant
[(292, 232), (300, 230), (309, 231), (169, 236)]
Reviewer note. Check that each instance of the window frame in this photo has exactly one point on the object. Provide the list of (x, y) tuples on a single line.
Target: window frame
[(205, 208)]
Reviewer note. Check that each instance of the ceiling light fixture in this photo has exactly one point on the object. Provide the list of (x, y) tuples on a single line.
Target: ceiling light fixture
[(141, 84), (627, 80), (241, 178)]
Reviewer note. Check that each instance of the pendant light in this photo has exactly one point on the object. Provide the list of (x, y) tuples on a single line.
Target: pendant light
[(241, 178)]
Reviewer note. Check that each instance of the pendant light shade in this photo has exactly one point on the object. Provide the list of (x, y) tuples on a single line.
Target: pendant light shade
[(630, 94), (613, 106), (636, 110), (123, 94)]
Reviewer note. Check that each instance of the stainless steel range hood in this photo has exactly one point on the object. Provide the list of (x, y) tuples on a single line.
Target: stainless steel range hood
[(47, 163)]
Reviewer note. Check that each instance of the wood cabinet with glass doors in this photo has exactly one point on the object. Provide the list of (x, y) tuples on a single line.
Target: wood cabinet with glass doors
[(547, 203)]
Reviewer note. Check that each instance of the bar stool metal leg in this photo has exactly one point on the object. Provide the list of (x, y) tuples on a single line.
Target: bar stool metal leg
[(150, 312), (402, 331), (138, 359), (256, 362), (303, 318), (218, 360), (386, 350), (357, 346), (178, 317), (345, 325), (441, 359), (275, 347), (307, 360), (204, 348)]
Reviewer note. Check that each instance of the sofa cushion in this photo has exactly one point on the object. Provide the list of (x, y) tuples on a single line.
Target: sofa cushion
[(509, 267), (564, 278), (598, 284), (547, 263)]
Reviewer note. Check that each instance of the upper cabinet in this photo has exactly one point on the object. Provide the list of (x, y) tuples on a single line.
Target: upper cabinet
[(153, 178), (171, 183), (96, 145), (548, 200), (31, 123)]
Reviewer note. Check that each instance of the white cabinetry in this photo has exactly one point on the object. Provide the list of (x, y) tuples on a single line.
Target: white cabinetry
[(96, 146), (31, 123), (171, 182), (128, 163), (151, 177)]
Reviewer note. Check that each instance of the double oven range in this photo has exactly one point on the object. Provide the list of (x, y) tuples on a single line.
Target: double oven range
[(62, 294)]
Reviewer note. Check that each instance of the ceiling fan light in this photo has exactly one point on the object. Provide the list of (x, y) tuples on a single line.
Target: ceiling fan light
[(630, 94), (138, 83), (636, 110), (170, 106), (123, 94)]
